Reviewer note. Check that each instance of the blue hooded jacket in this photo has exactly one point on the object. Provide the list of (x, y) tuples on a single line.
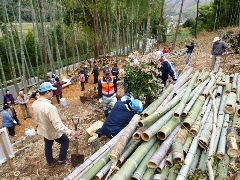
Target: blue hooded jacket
[(167, 69), (7, 120), (118, 119)]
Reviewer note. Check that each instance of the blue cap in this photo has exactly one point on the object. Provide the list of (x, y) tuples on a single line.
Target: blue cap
[(127, 98), (46, 86), (160, 53), (136, 105), (106, 71)]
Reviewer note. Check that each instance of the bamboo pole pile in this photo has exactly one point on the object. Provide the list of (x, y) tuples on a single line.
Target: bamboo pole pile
[(179, 134)]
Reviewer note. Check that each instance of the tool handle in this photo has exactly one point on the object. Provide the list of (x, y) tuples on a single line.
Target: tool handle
[(76, 142), (75, 122)]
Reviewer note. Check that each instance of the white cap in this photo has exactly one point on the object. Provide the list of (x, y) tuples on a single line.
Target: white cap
[(216, 39)]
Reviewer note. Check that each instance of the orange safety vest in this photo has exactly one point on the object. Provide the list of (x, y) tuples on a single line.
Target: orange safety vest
[(107, 87)]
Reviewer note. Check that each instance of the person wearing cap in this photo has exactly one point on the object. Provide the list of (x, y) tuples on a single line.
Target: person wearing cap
[(86, 74), (8, 121), (50, 125), (119, 118), (107, 89), (218, 48), (165, 68), (95, 73), (23, 102), (189, 52), (115, 71)]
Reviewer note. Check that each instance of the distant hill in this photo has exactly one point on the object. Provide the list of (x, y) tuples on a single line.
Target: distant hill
[(172, 7)]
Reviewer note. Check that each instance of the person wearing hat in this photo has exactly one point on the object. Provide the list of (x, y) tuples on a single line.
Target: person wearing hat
[(50, 125), (86, 74), (189, 52), (107, 89), (95, 73), (23, 102), (8, 121), (115, 71), (119, 118), (165, 68), (218, 48)]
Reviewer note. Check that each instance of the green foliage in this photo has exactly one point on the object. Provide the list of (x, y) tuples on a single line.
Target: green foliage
[(189, 23), (141, 77)]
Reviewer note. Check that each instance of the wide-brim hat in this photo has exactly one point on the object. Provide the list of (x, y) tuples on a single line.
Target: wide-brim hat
[(216, 39)]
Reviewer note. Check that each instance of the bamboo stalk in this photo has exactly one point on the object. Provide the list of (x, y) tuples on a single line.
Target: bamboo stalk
[(238, 110), (181, 136), (137, 134), (196, 126), (210, 85), (173, 172), (177, 151), (155, 104), (203, 76), (187, 144), (154, 128), (219, 91), (142, 167), (232, 143), (162, 175), (192, 115), (185, 97), (162, 150), (125, 172), (103, 171), (181, 88), (236, 121), (169, 159), (238, 89), (222, 168), (204, 107), (124, 138), (221, 150), (164, 132), (234, 82), (230, 103), (194, 162), (148, 174)]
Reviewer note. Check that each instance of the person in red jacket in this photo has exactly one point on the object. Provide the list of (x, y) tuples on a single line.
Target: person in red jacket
[(58, 84)]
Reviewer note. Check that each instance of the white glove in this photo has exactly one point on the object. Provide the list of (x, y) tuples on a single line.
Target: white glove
[(210, 56), (14, 121), (100, 100), (185, 43)]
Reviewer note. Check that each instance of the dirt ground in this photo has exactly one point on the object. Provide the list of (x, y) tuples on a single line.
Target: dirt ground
[(31, 164)]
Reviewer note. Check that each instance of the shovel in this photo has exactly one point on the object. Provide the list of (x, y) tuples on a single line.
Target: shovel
[(76, 158)]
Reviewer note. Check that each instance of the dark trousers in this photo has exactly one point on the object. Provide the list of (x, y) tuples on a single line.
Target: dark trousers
[(16, 119), (58, 97), (95, 78), (86, 78), (82, 85), (11, 130), (63, 141)]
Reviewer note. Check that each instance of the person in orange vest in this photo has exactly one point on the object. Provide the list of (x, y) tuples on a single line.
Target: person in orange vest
[(107, 89)]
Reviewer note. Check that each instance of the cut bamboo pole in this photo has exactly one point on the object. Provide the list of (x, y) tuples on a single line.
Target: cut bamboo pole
[(163, 174), (187, 144), (162, 150), (192, 115), (142, 167), (195, 97), (173, 172), (154, 128), (118, 148), (234, 82), (153, 106), (185, 97), (219, 91), (230, 103), (133, 161), (177, 151), (204, 107), (137, 134), (148, 174), (232, 143), (164, 132), (236, 122), (238, 89), (181, 88), (221, 150), (194, 163), (196, 126), (181, 136), (209, 85), (238, 110), (169, 159), (222, 168), (203, 76), (161, 165), (103, 171)]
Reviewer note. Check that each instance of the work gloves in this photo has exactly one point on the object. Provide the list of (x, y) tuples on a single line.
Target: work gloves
[(100, 100), (210, 56)]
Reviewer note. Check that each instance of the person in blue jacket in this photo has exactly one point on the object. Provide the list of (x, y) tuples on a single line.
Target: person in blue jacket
[(119, 118), (165, 68), (8, 121)]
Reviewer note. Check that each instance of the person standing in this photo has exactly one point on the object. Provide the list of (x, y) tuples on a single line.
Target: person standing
[(95, 73), (189, 52), (8, 121), (86, 74), (8, 95), (218, 48), (22, 101), (58, 84), (107, 89), (120, 116), (12, 111), (50, 125), (165, 68), (115, 71), (82, 80)]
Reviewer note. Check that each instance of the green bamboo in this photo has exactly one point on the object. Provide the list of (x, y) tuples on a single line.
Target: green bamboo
[(196, 126), (222, 168), (194, 162), (234, 83), (173, 172), (169, 159), (155, 104), (137, 134), (233, 149), (236, 121), (142, 167), (125, 172), (164, 132), (203, 76), (163, 174), (230, 103), (148, 174), (187, 144), (209, 85), (185, 97), (96, 168), (192, 115), (202, 162), (177, 151), (3, 74)]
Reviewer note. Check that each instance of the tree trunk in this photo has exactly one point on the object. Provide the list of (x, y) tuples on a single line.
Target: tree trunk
[(160, 24), (148, 25), (95, 28), (195, 30)]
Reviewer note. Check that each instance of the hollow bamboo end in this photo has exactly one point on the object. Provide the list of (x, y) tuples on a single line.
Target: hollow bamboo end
[(185, 125), (234, 153), (145, 115), (152, 165), (193, 132), (202, 144), (161, 136), (140, 124), (168, 163), (136, 177), (145, 137), (218, 94), (176, 115), (136, 136), (159, 169), (184, 114)]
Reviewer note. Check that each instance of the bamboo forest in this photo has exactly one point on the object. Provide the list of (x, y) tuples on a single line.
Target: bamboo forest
[(189, 125)]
